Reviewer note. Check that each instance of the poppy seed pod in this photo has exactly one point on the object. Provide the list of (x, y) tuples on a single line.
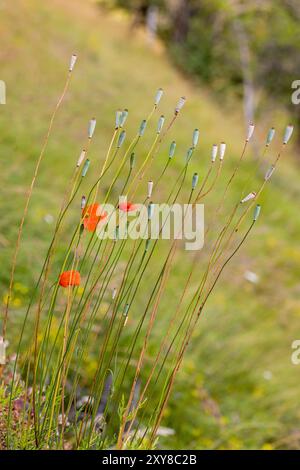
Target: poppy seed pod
[(270, 136), (180, 104), (214, 153), (121, 139), (269, 172), (91, 129), (81, 157), (222, 150), (158, 96), (132, 160), (72, 62), (250, 131), (256, 212), (150, 187), (195, 137), (123, 117), (288, 134), (160, 124), (142, 127), (83, 202), (150, 210), (85, 167), (172, 149), (195, 180), (248, 197), (189, 154), (118, 117)]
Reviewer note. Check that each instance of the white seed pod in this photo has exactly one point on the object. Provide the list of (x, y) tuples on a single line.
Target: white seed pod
[(81, 158), (92, 126), (72, 62), (158, 96), (214, 153), (121, 139), (150, 187), (180, 104), (269, 172), (249, 197), (250, 132), (160, 124), (288, 134), (195, 137), (222, 150), (114, 293)]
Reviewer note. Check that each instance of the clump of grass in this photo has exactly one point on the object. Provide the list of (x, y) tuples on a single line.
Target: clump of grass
[(102, 305)]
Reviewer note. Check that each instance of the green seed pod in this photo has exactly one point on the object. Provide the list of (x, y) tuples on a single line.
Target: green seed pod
[(172, 149), (123, 117), (189, 154), (142, 128), (132, 160), (195, 180), (121, 139), (270, 136), (256, 212), (85, 167)]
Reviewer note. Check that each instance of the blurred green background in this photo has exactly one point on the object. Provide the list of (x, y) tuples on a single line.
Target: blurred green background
[(234, 61)]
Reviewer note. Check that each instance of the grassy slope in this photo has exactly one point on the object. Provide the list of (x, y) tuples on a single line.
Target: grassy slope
[(222, 398)]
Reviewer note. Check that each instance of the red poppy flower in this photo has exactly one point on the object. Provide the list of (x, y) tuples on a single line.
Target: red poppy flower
[(69, 278), (90, 217), (127, 206)]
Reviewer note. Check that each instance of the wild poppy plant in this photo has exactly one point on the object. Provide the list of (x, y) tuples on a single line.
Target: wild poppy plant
[(90, 217), (69, 278)]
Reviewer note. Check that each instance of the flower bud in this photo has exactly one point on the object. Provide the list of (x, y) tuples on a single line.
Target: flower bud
[(180, 104), (72, 62)]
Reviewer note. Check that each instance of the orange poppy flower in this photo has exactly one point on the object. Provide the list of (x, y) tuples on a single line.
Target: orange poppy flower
[(69, 278), (127, 206), (90, 217)]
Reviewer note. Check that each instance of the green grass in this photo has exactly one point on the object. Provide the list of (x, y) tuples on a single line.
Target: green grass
[(223, 397)]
